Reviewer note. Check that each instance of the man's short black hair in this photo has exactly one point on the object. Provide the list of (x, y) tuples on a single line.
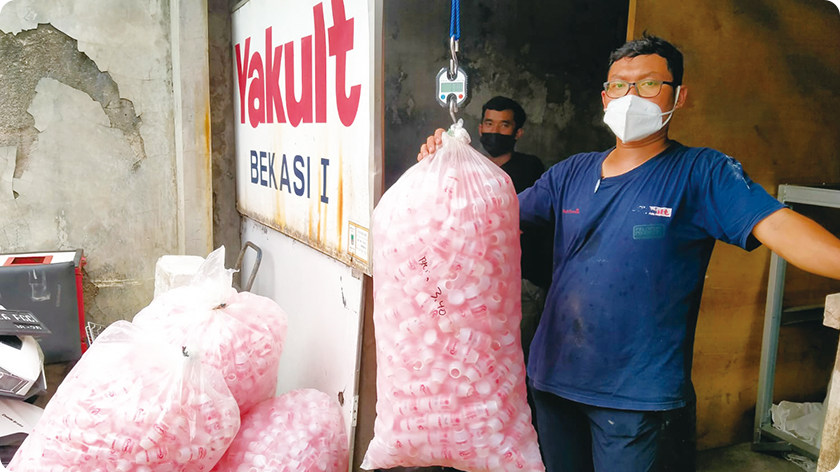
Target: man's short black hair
[(652, 45), (500, 103)]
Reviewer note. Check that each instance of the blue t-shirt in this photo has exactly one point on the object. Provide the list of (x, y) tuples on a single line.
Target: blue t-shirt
[(630, 257)]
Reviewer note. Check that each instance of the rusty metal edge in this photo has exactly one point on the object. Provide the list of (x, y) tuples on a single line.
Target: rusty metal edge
[(346, 259)]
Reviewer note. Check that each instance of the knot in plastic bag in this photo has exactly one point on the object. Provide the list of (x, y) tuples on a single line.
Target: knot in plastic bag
[(212, 285), (457, 133)]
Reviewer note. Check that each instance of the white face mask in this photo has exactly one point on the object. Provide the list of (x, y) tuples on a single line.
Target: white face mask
[(632, 118)]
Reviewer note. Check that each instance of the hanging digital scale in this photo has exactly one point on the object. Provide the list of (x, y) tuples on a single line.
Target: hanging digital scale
[(446, 87)]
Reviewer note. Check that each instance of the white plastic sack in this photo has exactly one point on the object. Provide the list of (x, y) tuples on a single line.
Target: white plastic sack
[(301, 431), (803, 420), (240, 334), (133, 404), (450, 371)]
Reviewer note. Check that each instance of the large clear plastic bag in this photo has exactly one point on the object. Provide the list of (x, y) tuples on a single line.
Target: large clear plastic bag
[(240, 334), (450, 371), (301, 431), (133, 404)]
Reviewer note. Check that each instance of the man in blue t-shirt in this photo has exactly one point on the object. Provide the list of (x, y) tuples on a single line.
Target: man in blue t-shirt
[(634, 230)]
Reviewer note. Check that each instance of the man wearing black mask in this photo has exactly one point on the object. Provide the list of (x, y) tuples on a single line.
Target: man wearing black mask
[(500, 129)]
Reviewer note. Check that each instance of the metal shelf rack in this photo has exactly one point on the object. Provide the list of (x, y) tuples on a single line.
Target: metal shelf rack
[(765, 436)]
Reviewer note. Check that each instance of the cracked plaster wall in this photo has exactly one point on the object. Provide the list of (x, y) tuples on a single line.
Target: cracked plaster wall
[(87, 141), (549, 56)]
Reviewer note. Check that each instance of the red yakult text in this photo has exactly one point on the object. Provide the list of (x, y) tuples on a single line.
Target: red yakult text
[(258, 74)]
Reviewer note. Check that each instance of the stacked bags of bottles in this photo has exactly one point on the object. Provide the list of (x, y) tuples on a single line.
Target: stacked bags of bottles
[(165, 392)]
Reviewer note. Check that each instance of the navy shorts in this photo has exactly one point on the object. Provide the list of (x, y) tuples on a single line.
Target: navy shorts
[(582, 438)]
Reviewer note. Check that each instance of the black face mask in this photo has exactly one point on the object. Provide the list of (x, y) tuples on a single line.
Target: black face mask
[(498, 144)]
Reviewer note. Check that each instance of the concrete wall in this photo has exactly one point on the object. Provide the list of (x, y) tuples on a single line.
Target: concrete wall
[(550, 56), (762, 78), (226, 220), (102, 125)]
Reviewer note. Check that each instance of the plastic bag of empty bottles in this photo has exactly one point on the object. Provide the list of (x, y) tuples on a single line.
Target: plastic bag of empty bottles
[(240, 334), (450, 371), (300, 431), (133, 403)]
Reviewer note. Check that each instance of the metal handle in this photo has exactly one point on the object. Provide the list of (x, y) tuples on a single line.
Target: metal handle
[(453, 61), (453, 107), (238, 267)]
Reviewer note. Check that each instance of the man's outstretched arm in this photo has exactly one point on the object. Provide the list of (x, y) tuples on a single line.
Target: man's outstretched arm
[(800, 241)]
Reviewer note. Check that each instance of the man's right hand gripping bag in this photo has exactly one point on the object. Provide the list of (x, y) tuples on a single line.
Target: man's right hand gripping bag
[(450, 373)]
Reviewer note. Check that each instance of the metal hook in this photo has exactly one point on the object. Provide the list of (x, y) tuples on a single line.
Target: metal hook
[(453, 107), (453, 62)]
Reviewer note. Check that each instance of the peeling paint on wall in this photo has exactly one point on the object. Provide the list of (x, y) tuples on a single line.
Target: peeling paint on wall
[(87, 141), (49, 53)]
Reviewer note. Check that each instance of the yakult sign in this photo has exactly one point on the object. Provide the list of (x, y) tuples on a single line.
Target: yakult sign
[(261, 79), (304, 74)]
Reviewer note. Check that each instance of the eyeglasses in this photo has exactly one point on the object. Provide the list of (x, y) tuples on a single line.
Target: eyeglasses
[(646, 88)]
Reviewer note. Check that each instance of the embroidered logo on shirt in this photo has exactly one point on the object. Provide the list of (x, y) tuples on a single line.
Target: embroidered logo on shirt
[(648, 231), (576, 211)]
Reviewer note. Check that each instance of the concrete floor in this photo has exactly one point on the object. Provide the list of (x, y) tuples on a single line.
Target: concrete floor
[(741, 459)]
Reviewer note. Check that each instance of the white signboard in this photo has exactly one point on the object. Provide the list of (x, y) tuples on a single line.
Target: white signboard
[(304, 101)]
